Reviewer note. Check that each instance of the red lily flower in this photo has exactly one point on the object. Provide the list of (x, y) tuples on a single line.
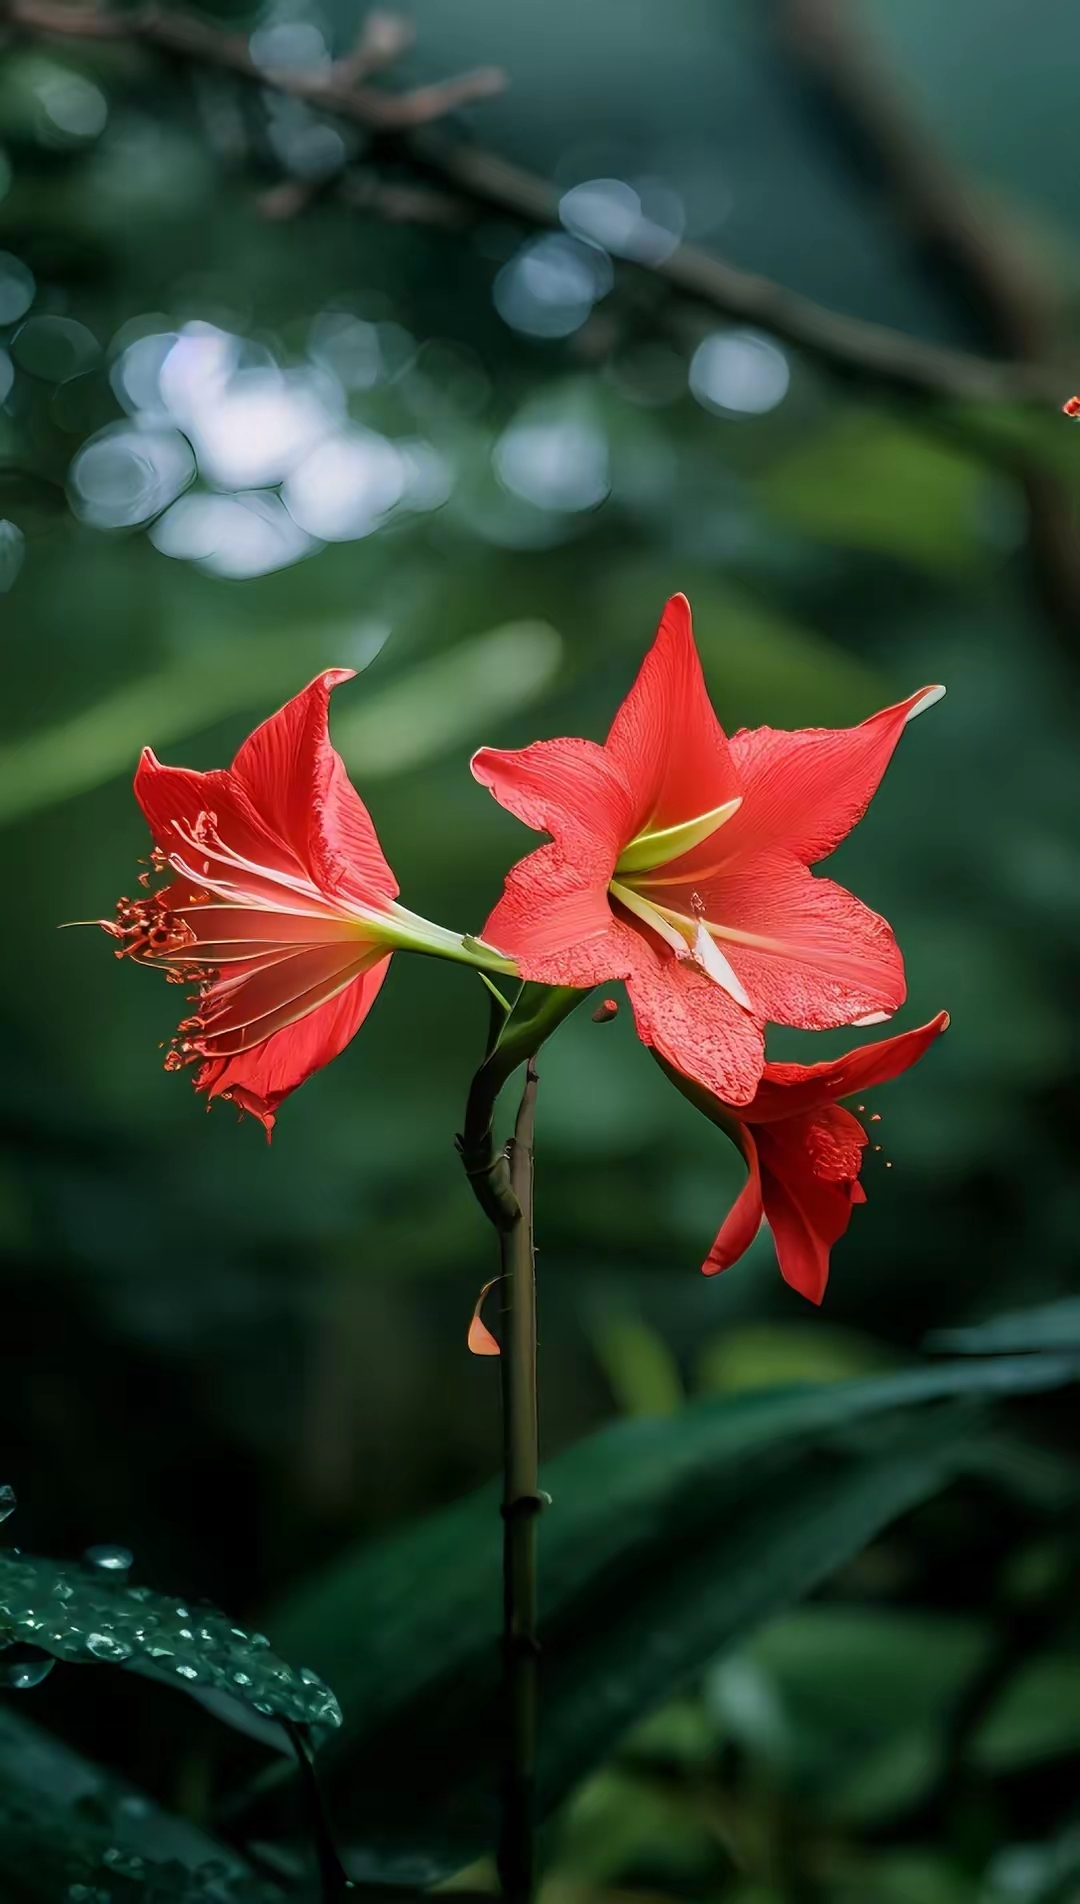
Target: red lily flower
[(804, 1152), (282, 908), (680, 863)]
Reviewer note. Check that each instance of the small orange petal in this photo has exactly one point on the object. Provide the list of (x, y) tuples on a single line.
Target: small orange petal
[(481, 1340)]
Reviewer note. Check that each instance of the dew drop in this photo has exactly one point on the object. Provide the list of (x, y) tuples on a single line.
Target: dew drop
[(22, 1674), (187, 1672), (126, 1864), (106, 1646), (63, 1591), (114, 1562)]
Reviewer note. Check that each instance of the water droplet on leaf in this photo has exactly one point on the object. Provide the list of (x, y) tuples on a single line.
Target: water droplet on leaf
[(107, 1646), (114, 1562)]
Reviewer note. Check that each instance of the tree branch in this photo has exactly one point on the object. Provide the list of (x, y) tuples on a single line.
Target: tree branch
[(482, 181), (992, 276)]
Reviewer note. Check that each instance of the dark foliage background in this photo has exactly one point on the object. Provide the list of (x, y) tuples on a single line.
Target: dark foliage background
[(246, 1362)]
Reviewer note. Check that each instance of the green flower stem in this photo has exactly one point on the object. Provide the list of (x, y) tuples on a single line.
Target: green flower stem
[(503, 1185)]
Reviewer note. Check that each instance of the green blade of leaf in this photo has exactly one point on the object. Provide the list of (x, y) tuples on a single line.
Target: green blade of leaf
[(668, 1540), (75, 1615)]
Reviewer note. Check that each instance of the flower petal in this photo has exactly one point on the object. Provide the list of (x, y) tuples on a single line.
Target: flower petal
[(804, 791), (568, 788), (806, 1213), (808, 952), (789, 1089), (692, 1022), (175, 801), (259, 1079), (666, 738), (297, 781), (743, 1220), (557, 923)]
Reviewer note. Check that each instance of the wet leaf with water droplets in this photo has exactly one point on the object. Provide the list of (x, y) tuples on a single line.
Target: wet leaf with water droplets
[(88, 1614)]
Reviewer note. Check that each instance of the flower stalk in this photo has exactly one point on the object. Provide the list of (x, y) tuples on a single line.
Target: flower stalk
[(502, 1182), (521, 1505)]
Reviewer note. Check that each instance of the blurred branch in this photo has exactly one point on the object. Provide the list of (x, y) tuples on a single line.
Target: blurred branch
[(469, 180), (994, 278)]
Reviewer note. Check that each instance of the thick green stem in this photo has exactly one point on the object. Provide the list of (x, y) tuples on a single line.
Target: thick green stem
[(520, 1507)]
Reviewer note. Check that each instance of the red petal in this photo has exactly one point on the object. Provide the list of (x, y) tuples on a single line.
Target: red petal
[(298, 783), (787, 1090), (264, 995), (804, 791), (558, 924), (743, 1220), (568, 788), (693, 1023), (666, 738), (259, 1079), (823, 958), (174, 800), (806, 1213)]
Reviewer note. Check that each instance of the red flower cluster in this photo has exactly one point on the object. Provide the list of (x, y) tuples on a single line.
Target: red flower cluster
[(679, 862)]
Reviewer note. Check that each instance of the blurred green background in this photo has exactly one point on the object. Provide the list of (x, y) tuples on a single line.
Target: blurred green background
[(260, 417)]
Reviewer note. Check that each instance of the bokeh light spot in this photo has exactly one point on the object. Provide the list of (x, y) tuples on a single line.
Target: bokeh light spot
[(233, 536), (126, 476), (17, 288), (739, 373), (558, 463), (549, 287)]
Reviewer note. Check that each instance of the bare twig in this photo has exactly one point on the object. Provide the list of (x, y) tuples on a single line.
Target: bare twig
[(483, 181)]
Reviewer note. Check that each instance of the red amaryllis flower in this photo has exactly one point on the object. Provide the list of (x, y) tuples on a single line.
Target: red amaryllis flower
[(680, 863), (281, 909), (804, 1152)]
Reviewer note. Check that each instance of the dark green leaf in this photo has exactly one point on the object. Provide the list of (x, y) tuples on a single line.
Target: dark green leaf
[(65, 1823), (1052, 1325), (667, 1540), (80, 1615)]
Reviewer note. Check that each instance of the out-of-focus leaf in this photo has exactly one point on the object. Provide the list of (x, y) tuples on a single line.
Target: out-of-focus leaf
[(1052, 1326), (873, 483), (667, 1541), (89, 748), (641, 1369), (82, 1616), (65, 1823), (447, 701), (848, 1703), (762, 1355), (1037, 1716)]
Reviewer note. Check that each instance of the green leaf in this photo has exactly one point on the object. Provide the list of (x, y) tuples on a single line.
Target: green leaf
[(641, 1369), (668, 1540), (445, 702), (413, 718), (87, 749), (1037, 1716), (82, 1616), (874, 483), (1052, 1326), (65, 1823)]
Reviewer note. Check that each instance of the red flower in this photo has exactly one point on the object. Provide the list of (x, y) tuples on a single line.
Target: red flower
[(680, 863), (282, 907), (804, 1152)]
